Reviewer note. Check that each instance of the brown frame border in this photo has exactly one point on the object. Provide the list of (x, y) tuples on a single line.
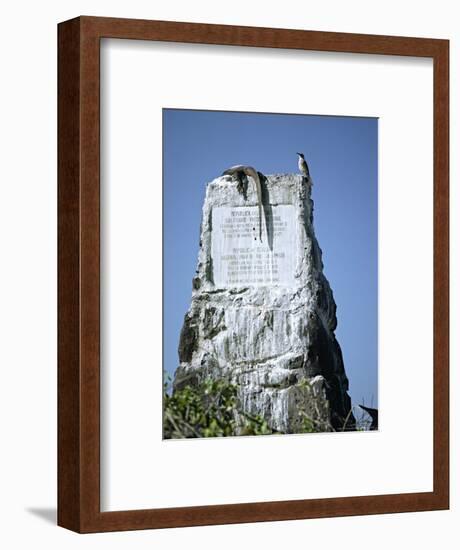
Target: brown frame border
[(78, 274)]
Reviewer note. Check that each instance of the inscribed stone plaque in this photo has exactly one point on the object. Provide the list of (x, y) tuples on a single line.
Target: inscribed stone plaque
[(240, 258)]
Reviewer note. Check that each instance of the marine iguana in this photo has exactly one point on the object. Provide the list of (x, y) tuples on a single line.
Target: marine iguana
[(237, 171), (374, 414), (303, 167)]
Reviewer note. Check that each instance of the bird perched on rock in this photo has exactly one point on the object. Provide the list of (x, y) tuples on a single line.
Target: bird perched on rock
[(303, 166), (237, 171)]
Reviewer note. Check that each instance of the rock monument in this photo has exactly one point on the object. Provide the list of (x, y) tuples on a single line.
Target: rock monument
[(262, 313)]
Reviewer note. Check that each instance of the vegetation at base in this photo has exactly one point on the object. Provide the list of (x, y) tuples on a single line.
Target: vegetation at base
[(211, 409)]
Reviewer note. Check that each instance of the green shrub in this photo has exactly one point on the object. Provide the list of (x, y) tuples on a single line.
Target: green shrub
[(211, 409)]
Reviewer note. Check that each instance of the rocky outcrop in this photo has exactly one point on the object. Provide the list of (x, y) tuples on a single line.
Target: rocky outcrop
[(262, 314)]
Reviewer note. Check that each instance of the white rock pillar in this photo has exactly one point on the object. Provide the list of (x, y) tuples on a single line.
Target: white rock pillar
[(262, 313)]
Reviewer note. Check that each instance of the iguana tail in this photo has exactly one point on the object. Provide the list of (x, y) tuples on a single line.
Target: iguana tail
[(249, 171), (255, 176)]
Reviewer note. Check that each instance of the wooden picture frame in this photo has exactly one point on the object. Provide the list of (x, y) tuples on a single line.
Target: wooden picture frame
[(79, 274)]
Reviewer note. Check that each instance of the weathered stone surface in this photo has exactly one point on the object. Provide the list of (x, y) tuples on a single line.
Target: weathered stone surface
[(262, 313)]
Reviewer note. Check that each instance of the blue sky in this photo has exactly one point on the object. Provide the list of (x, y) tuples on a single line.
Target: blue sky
[(342, 156)]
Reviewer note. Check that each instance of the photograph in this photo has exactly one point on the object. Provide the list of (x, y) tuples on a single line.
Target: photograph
[(230, 248), (270, 273)]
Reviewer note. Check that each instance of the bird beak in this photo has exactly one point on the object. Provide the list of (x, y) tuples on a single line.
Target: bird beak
[(298, 154)]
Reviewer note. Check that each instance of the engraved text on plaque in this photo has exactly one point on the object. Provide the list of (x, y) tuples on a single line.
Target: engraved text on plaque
[(239, 258)]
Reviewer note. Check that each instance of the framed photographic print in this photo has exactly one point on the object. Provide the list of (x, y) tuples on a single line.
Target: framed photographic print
[(253, 274)]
